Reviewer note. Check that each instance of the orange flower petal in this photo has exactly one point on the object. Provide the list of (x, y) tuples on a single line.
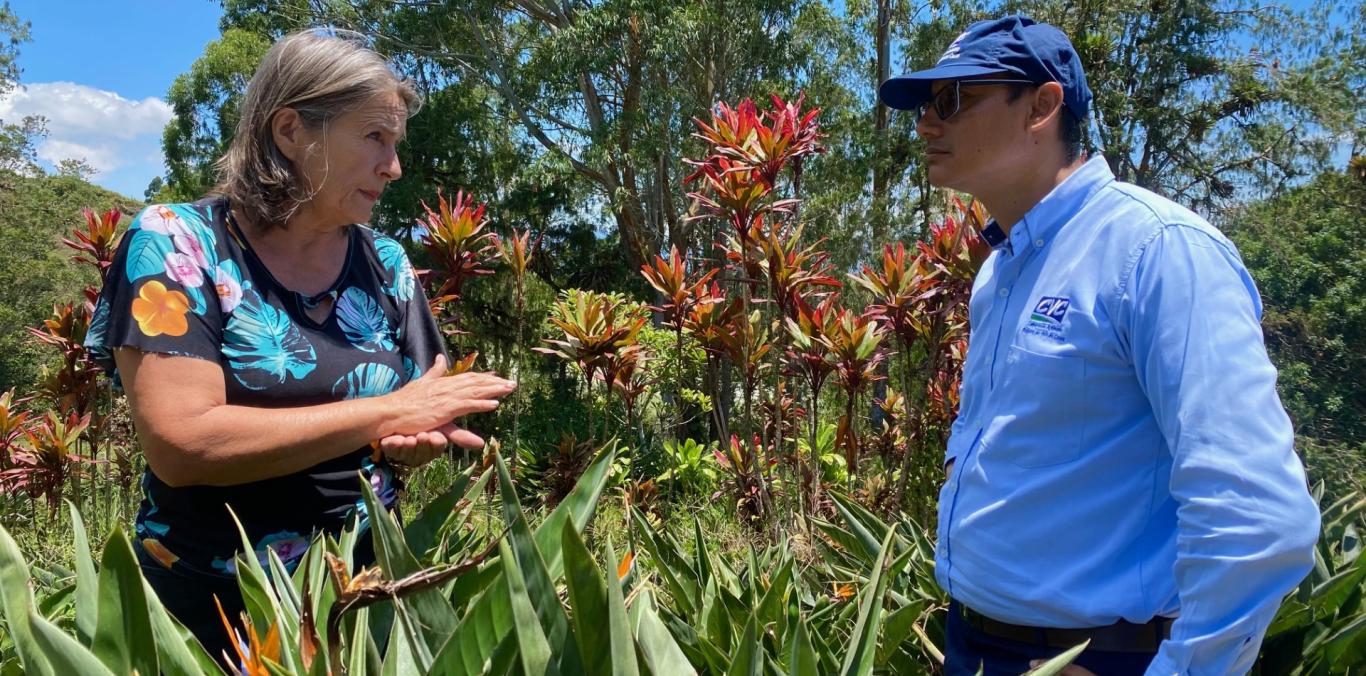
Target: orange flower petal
[(625, 568), (159, 552)]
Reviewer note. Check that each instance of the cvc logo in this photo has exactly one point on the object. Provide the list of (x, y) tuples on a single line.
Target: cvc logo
[(1051, 310)]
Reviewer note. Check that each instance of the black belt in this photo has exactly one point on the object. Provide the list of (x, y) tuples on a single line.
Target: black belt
[(1120, 637)]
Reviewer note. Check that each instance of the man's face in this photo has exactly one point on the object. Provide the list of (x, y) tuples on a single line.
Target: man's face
[(972, 149)]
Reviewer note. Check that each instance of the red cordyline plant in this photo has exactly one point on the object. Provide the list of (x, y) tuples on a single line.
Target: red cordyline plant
[(748, 151), (808, 358), (96, 244), (922, 299), (13, 423), (42, 462), (517, 252), (679, 293), (855, 349), (746, 472), (596, 329), (459, 246)]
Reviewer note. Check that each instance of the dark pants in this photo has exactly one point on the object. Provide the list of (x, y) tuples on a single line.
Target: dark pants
[(968, 648)]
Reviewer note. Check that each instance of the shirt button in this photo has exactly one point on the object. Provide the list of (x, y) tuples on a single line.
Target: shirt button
[(1038, 244), (1003, 293)]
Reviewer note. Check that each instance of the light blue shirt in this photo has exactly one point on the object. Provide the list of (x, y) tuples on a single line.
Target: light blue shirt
[(1120, 450)]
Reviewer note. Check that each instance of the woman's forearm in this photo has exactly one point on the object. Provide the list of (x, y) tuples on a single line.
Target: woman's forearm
[(228, 444)]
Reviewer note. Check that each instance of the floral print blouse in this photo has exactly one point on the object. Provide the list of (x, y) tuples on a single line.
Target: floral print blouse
[(185, 282)]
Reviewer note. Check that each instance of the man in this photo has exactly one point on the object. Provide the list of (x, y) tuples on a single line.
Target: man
[(1121, 468)]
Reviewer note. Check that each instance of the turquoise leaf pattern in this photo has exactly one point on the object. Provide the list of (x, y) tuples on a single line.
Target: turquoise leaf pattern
[(366, 380), (363, 321), (147, 254), (410, 367), (395, 261), (263, 345)]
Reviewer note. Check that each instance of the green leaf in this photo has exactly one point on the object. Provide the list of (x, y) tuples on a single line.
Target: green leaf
[(535, 650), (16, 600), (657, 646), (179, 653), (623, 647), (748, 659), (540, 584), (87, 580), (67, 654), (801, 656), (434, 614), (588, 600), (123, 632), (421, 532), (253, 582), (860, 653), (1057, 664)]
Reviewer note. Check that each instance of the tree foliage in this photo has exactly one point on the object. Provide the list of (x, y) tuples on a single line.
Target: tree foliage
[(1304, 250)]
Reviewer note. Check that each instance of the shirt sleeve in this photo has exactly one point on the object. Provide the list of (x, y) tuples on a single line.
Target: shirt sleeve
[(1246, 525), (162, 292), (419, 337)]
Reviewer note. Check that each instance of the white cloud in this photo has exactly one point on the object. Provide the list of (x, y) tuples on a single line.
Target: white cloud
[(72, 109), (118, 137), (100, 158)]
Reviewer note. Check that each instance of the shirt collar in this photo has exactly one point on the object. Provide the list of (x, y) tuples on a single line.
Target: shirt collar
[(1041, 222)]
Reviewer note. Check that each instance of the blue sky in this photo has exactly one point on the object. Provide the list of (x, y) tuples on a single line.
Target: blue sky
[(99, 71)]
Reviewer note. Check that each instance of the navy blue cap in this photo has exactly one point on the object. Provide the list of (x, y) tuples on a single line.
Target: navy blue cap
[(1016, 45)]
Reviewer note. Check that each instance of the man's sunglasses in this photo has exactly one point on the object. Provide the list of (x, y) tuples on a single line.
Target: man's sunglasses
[(946, 102)]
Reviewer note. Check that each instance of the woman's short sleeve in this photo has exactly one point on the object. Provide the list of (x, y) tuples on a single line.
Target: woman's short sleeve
[(419, 338), (166, 290)]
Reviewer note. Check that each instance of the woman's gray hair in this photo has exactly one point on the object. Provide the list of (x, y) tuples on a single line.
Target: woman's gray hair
[(321, 73)]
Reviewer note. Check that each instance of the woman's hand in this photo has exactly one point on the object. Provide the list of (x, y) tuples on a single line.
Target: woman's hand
[(421, 448), (427, 406)]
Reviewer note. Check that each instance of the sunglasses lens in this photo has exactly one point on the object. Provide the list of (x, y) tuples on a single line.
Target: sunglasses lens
[(946, 102)]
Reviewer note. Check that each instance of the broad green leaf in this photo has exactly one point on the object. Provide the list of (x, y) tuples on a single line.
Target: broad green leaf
[(403, 657), (358, 645), (87, 580), (669, 563), (123, 632), (16, 600), (860, 653), (619, 628), (657, 646), (1057, 664), (433, 612), (254, 583), (67, 655), (179, 653), (539, 582), (421, 532), (801, 656), (748, 659), (535, 650), (487, 624), (588, 601)]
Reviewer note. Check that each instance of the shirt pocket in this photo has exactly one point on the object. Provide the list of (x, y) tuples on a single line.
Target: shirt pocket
[(1038, 409)]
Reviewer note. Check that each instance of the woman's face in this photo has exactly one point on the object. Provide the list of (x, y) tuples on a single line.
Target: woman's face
[(347, 162)]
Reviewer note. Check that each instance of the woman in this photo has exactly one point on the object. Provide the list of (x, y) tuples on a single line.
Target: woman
[(265, 340)]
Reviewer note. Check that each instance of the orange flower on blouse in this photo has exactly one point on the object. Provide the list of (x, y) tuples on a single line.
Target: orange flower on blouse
[(159, 310)]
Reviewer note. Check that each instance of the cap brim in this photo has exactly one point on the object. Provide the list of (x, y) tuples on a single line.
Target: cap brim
[(907, 92)]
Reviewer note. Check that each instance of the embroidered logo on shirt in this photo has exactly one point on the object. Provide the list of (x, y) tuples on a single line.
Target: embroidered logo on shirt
[(1046, 319)]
